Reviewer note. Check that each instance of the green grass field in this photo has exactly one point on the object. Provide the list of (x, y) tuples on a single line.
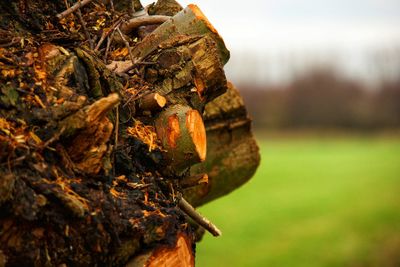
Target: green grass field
[(313, 202)]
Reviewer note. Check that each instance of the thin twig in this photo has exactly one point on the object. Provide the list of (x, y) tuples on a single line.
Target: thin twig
[(112, 6), (54, 138), (85, 29), (109, 41), (127, 45), (13, 41), (16, 160), (121, 67), (107, 33), (129, 68), (142, 21), (73, 8), (135, 97), (197, 217), (139, 63)]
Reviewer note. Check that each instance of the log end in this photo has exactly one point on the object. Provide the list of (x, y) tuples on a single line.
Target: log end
[(173, 131), (152, 102), (161, 101), (180, 255), (197, 131), (182, 133), (200, 15)]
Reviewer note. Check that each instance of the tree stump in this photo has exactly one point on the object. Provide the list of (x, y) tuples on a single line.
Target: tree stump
[(105, 129)]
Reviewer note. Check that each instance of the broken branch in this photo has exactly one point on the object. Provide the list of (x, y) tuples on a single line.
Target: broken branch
[(85, 30), (134, 23), (73, 8), (197, 217), (152, 102), (127, 45)]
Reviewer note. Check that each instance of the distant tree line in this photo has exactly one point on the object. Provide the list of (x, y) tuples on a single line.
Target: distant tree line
[(321, 98)]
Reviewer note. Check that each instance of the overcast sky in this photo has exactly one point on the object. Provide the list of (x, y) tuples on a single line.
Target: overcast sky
[(271, 29)]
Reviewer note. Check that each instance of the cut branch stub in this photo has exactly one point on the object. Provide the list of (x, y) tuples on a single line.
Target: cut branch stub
[(152, 102), (209, 76), (190, 21), (182, 134), (183, 61)]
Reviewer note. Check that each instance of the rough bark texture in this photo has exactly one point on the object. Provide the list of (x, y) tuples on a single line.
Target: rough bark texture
[(91, 169), (190, 21), (165, 7), (232, 155)]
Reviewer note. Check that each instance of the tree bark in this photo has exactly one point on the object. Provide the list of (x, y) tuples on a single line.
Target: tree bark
[(190, 21), (232, 155)]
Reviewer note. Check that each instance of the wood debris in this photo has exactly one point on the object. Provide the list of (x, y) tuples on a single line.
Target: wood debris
[(103, 118)]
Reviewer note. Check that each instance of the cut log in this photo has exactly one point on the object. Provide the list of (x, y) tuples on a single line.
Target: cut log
[(190, 59), (182, 134), (190, 21), (232, 154), (187, 71), (152, 102), (179, 255)]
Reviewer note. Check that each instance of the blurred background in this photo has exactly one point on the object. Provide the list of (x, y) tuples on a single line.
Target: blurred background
[(321, 80)]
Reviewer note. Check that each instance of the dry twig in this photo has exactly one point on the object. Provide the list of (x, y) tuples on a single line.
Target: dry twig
[(54, 138), (197, 217), (127, 45), (73, 8), (109, 41), (107, 33), (85, 29), (142, 21)]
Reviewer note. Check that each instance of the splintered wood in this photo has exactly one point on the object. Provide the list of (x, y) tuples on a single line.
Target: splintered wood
[(114, 124), (144, 133)]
